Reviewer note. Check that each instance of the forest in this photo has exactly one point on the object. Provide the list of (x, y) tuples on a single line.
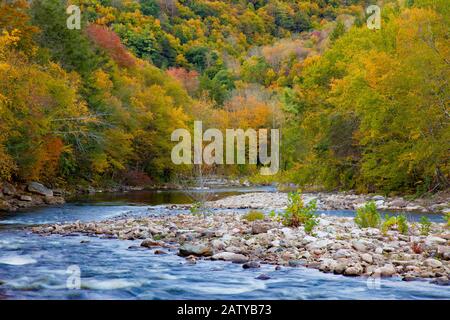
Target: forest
[(358, 109)]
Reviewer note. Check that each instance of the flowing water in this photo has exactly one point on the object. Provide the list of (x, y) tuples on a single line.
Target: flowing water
[(43, 267)]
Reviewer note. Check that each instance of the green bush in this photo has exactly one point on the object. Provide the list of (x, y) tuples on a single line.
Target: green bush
[(297, 213), (253, 215), (368, 216), (447, 217), (400, 222), (425, 226)]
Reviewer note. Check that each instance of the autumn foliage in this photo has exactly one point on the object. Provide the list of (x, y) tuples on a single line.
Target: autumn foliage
[(110, 42)]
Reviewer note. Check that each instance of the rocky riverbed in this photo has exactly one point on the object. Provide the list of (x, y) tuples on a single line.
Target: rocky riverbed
[(335, 201), (337, 245)]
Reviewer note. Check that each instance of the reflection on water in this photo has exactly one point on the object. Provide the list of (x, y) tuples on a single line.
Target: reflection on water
[(156, 197), (36, 267)]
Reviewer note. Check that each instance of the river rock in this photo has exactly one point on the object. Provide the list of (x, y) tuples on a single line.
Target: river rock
[(355, 270), (258, 228), (359, 246), (149, 243), (431, 241), (432, 263), (40, 189), (387, 270), (318, 244), (251, 265), (8, 189), (366, 257), (230, 256), (444, 252), (195, 249), (263, 277), (25, 198)]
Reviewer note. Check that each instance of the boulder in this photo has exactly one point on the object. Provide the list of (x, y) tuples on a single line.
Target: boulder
[(258, 228), (25, 198), (359, 246), (355, 270), (40, 189), (444, 252), (230, 256), (366, 257), (387, 270), (318, 244), (149, 243), (8, 189), (195, 249), (432, 263), (251, 265)]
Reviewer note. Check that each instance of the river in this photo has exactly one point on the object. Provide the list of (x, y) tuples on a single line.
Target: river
[(37, 267)]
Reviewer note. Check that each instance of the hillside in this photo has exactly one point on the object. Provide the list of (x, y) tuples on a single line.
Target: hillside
[(358, 108)]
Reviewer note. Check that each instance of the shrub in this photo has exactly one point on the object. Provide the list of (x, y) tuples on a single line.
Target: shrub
[(253, 215), (447, 217), (368, 216), (400, 222), (297, 213), (425, 226), (310, 224)]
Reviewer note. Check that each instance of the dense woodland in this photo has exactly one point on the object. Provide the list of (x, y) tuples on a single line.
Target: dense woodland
[(358, 109)]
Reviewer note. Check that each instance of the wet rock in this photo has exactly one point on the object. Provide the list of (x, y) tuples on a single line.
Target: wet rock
[(296, 263), (355, 270), (443, 281), (230, 256), (251, 265), (195, 249), (263, 277), (160, 252), (387, 270), (149, 243), (40, 189)]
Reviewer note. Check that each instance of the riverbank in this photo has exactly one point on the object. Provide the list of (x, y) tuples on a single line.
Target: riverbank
[(26, 196), (439, 203), (337, 245)]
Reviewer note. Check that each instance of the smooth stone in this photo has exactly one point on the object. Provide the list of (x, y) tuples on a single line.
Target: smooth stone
[(366, 257), (359, 246), (230, 256), (25, 198), (433, 263), (251, 265), (196, 250), (258, 228), (39, 189), (263, 277)]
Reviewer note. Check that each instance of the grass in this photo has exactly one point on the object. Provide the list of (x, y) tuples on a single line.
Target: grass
[(254, 215)]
